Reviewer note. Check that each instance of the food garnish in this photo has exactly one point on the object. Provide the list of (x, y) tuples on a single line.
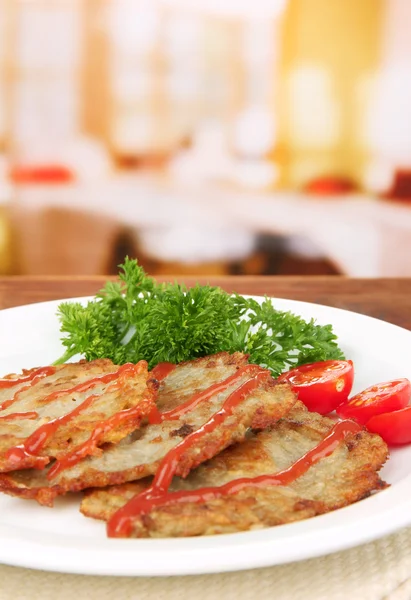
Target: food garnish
[(383, 409), (394, 427), (376, 399), (322, 386), (137, 318)]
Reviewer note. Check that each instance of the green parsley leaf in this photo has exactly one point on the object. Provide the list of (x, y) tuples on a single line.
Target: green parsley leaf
[(138, 319)]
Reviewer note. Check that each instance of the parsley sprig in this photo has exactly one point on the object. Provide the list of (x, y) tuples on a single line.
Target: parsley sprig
[(137, 318)]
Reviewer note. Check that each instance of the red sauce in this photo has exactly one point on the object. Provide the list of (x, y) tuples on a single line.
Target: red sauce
[(37, 440), (86, 385), (22, 415), (72, 458), (81, 387), (216, 388), (156, 417), (42, 372), (121, 522), (31, 379), (161, 370)]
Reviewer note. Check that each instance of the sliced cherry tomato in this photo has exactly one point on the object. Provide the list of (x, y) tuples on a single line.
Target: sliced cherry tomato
[(394, 427), (322, 386), (377, 399)]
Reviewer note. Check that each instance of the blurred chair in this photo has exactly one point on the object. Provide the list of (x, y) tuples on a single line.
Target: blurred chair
[(61, 241)]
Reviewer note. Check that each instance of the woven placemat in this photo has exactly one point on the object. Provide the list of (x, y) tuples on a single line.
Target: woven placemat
[(377, 571)]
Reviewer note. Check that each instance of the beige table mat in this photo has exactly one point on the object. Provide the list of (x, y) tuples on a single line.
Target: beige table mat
[(377, 571)]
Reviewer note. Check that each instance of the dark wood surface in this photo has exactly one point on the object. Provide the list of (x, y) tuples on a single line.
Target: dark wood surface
[(387, 299)]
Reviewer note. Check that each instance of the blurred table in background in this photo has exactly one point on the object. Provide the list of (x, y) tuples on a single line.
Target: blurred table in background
[(62, 240), (201, 229)]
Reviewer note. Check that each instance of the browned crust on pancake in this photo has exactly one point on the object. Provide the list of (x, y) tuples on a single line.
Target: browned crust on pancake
[(348, 475), (118, 408), (269, 402)]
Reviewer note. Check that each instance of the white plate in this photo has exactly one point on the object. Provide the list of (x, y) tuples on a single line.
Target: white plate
[(61, 539)]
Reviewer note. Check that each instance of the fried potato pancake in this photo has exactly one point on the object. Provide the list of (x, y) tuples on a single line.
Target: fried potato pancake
[(70, 411), (192, 400), (347, 475)]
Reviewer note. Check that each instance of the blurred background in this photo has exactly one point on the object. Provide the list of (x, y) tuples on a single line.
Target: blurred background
[(205, 136)]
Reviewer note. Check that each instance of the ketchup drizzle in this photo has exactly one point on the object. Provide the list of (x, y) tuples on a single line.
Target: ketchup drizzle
[(86, 385), (216, 388), (161, 370), (31, 379), (85, 449), (120, 523), (156, 417), (41, 372), (37, 440), (19, 415), (81, 387)]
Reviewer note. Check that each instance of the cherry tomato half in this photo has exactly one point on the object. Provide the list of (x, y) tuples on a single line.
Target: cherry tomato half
[(394, 427), (322, 386), (377, 399)]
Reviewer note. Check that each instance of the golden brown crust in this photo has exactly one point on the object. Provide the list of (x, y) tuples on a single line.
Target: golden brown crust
[(196, 375), (115, 406), (103, 503), (139, 455), (349, 474), (282, 431)]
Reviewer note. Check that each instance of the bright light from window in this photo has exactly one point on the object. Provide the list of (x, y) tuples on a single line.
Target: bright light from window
[(314, 111), (231, 8)]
